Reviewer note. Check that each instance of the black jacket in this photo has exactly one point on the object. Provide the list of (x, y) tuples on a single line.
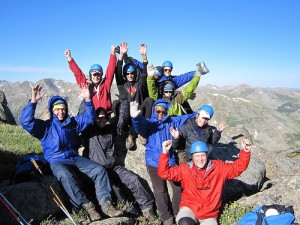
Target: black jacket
[(191, 132)]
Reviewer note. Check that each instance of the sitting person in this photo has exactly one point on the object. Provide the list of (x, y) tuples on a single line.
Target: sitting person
[(202, 181), (197, 128), (99, 141), (58, 136)]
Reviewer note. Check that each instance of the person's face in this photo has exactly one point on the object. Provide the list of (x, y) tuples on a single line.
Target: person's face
[(130, 76), (168, 93), (101, 121), (60, 113), (160, 111), (201, 121), (96, 78), (167, 71), (199, 159)]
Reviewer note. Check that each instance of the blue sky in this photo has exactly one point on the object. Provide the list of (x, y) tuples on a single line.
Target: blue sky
[(253, 42)]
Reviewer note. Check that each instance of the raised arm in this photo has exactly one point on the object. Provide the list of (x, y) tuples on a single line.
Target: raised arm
[(35, 127), (110, 71), (79, 75)]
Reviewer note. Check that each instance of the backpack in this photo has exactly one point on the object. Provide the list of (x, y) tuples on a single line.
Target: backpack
[(269, 215), (25, 170)]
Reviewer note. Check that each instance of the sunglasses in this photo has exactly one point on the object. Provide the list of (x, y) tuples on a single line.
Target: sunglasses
[(168, 92), (130, 73), (167, 70), (160, 111), (97, 74)]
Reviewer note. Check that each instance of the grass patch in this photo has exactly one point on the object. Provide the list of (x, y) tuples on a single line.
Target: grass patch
[(232, 213)]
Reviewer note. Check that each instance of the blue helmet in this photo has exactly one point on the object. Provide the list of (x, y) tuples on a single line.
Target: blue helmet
[(208, 109), (158, 71), (198, 146), (96, 68), (169, 86), (128, 69), (167, 64)]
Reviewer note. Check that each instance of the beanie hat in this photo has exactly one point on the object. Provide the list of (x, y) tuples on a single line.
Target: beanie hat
[(59, 104), (169, 86)]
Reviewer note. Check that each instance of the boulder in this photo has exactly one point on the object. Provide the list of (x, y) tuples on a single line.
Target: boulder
[(5, 114)]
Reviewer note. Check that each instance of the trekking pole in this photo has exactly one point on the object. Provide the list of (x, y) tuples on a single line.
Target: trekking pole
[(12, 210), (54, 195)]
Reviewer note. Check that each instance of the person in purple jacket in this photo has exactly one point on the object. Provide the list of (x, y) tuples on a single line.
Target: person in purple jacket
[(59, 138)]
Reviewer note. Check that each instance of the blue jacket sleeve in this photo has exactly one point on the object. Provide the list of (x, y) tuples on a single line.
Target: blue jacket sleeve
[(87, 118), (35, 127), (183, 79), (141, 125)]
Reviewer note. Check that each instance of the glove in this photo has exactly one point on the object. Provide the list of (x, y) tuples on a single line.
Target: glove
[(150, 69), (134, 112)]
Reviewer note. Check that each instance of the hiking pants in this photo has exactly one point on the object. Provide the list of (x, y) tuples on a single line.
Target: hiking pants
[(66, 175), (162, 199), (132, 181)]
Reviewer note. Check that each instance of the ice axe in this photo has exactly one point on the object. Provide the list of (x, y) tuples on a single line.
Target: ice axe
[(54, 195)]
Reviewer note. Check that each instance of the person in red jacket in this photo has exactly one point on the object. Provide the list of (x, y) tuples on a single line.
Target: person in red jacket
[(99, 84), (202, 181)]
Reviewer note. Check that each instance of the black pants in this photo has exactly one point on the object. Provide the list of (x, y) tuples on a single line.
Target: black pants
[(162, 197), (140, 190)]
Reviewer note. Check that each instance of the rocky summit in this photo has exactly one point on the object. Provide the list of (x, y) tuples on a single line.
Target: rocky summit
[(270, 116)]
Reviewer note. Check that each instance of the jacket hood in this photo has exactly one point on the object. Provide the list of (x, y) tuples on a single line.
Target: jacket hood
[(154, 115), (54, 99)]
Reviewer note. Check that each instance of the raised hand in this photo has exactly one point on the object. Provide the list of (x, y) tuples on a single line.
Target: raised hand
[(143, 49), (221, 126), (174, 132), (150, 69), (68, 54), (246, 144), (166, 146), (84, 92), (134, 112), (113, 49), (123, 48), (36, 93)]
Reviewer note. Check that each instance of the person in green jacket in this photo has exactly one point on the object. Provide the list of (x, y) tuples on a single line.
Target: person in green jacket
[(174, 99)]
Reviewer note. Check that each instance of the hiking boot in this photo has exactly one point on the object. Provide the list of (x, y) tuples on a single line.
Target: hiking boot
[(90, 209), (149, 215), (168, 221), (130, 142), (142, 140), (110, 210)]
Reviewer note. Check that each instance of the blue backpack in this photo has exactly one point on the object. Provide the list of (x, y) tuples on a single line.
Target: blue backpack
[(258, 216), (25, 171)]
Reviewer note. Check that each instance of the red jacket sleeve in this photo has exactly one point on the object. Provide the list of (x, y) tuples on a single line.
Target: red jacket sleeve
[(168, 173), (238, 166), (79, 75), (110, 71)]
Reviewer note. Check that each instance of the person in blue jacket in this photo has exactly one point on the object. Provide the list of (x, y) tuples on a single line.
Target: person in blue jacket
[(157, 130), (59, 138)]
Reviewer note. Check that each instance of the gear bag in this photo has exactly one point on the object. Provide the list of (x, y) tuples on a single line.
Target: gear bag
[(269, 215), (25, 171)]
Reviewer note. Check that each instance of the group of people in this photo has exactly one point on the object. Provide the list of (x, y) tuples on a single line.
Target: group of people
[(150, 108)]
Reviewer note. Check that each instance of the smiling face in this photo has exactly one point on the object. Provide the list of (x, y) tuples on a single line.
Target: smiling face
[(60, 113), (199, 159), (160, 111), (130, 76), (167, 71), (201, 121), (96, 78)]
